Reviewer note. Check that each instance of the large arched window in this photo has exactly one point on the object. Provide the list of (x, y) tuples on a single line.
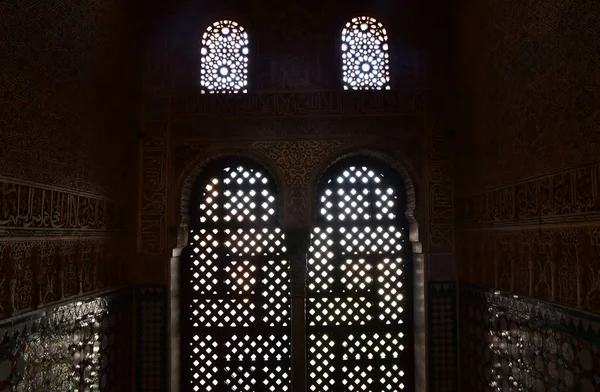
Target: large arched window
[(365, 57), (224, 62), (359, 284), (235, 285)]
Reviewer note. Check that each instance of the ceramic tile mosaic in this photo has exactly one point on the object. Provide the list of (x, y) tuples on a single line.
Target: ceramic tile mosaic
[(80, 346), (151, 338), (442, 337), (517, 344)]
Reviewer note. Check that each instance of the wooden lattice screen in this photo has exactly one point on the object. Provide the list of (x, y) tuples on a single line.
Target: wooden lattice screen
[(359, 305), (236, 299)]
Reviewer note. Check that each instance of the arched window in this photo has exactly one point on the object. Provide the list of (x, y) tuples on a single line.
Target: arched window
[(359, 283), (365, 57), (224, 64), (235, 285)]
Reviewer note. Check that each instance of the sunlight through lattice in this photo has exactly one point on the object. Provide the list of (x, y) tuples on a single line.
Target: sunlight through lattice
[(365, 57), (356, 285), (239, 309), (224, 61)]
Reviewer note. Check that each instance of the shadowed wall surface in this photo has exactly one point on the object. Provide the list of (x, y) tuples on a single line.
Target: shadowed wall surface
[(68, 94), (67, 168), (528, 197)]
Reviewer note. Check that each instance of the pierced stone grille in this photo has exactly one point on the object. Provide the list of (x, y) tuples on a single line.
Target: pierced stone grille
[(238, 287), (358, 311), (224, 58), (365, 57)]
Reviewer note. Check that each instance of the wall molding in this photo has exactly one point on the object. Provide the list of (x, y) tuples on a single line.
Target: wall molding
[(563, 197), (302, 103), (409, 126), (30, 210)]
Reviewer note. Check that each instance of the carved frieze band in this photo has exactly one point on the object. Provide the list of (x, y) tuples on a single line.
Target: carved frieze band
[(37, 272), (310, 104), (569, 197), (154, 198), (296, 128), (34, 210), (441, 203)]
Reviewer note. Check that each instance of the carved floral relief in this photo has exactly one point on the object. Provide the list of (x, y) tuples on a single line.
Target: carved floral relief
[(551, 264), (41, 271)]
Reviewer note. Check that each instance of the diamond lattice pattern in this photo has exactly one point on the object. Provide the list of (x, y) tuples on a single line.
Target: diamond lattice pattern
[(239, 309), (356, 286)]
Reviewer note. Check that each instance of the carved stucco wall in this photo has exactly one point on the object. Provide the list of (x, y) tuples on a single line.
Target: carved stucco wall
[(529, 198), (66, 128)]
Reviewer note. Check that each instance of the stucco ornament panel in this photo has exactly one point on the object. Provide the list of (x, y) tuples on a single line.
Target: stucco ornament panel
[(298, 162)]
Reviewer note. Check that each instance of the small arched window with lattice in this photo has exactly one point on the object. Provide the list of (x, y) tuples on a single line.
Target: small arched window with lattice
[(235, 285), (359, 282), (224, 61), (365, 57)]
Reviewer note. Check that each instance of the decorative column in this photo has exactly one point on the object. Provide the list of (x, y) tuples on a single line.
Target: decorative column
[(174, 309), (297, 241)]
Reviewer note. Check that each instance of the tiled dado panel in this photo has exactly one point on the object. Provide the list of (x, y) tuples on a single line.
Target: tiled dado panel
[(151, 338), (79, 346), (442, 337), (510, 343), (89, 345)]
